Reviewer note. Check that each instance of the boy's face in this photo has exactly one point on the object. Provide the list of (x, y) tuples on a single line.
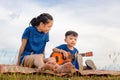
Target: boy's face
[(71, 40)]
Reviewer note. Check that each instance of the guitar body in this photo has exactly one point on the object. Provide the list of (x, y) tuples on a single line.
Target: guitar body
[(61, 60)]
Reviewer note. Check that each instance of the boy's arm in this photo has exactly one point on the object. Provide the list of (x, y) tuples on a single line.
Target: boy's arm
[(65, 53), (58, 50)]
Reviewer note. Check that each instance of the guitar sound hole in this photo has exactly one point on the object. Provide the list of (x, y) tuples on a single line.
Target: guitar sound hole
[(64, 58), (57, 59)]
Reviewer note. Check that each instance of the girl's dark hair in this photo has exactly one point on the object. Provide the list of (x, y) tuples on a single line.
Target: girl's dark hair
[(71, 33), (44, 17)]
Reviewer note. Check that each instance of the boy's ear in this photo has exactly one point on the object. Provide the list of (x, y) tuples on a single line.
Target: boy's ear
[(65, 39)]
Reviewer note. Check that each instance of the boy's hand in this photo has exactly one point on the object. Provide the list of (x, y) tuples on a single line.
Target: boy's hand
[(65, 54), (76, 55)]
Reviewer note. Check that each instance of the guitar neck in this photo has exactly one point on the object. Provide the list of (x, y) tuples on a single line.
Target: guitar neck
[(87, 54), (82, 54)]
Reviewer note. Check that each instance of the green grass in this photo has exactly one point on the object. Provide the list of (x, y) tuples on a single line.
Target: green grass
[(51, 77)]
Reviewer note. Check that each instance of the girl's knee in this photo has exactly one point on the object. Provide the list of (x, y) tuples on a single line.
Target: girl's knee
[(51, 59)]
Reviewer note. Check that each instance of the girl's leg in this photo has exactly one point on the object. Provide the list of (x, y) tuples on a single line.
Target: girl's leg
[(50, 64), (65, 68), (50, 59), (34, 60), (28, 61), (38, 61)]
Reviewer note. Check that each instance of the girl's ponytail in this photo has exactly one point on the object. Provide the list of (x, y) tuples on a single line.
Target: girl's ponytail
[(34, 22), (44, 17)]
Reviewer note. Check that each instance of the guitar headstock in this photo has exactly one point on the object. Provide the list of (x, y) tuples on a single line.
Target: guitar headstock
[(88, 54)]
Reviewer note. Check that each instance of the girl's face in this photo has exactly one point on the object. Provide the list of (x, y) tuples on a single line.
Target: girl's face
[(71, 40), (45, 27)]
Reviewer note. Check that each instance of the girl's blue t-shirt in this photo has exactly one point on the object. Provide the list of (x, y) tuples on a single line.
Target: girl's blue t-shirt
[(36, 41), (73, 52)]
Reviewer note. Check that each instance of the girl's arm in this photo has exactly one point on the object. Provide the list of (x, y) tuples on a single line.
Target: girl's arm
[(24, 42)]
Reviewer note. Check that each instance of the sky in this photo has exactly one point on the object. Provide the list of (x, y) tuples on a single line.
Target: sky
[(96, 22)]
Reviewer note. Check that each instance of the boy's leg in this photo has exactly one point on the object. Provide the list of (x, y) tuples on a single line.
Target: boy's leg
[(90, 65), (80, 62)]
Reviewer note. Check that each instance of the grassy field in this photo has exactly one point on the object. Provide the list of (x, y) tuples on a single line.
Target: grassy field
[(51, 77)]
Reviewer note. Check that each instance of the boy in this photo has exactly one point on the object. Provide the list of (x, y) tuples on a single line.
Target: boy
[(71, 40)]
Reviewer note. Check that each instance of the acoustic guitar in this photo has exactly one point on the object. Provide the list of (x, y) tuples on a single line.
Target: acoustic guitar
[(61, 60)]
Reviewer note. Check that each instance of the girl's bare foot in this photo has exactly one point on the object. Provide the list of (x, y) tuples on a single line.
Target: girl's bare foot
[(65, 68)]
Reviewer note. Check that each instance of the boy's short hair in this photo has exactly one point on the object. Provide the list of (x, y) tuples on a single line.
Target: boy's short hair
[(70, 32)]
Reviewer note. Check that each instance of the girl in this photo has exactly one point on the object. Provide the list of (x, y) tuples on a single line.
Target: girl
[(34, 39)]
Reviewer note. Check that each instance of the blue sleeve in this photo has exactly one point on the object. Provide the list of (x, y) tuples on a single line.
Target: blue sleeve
[(61, 47), (26, 33), (76, 50), (47, 37)]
